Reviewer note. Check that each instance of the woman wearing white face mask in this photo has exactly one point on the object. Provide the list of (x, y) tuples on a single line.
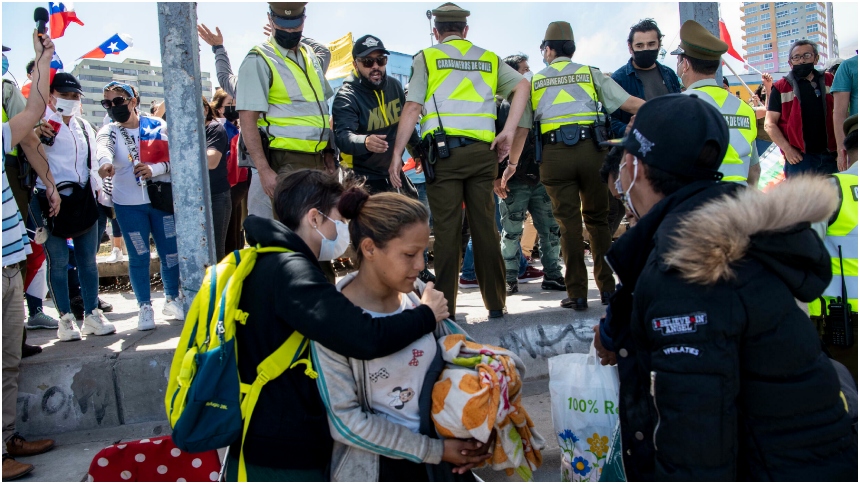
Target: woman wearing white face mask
[(288, 438), (69, 142)]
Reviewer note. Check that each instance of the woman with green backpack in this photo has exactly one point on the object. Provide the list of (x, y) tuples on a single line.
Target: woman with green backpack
[(288, 437)]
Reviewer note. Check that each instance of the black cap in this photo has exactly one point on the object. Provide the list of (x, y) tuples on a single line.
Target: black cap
[(65, 82), (670, 131), (367, 44)]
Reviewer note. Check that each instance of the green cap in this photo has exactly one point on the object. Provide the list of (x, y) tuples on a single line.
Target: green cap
[(849, 125), (559, 30), (698, 43), (450, 12)]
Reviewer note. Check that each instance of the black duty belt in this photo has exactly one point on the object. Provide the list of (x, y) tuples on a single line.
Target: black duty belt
[(458, 141), (554, 136)]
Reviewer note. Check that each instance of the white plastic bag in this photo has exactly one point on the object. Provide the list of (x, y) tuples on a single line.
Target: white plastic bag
[(584, 398)]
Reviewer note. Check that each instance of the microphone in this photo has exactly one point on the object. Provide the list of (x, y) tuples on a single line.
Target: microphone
[(40, 16)]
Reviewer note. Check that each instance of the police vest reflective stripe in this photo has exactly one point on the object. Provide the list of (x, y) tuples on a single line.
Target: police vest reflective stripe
[(742, 131), (842, 232), (563, 93), (14, 151), (298, 116), (463, 78)]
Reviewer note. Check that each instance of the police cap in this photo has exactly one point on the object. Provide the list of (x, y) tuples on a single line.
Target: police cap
[(287, 15), (450, 12), (698, 43), (559, 30)]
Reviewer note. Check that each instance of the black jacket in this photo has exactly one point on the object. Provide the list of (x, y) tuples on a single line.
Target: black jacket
[(360, 109), (528, 171), (727, 379), (287, 292)]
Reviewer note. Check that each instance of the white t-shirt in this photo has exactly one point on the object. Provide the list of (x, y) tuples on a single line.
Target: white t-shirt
[(126, 191), (67, 157), (396, 380)]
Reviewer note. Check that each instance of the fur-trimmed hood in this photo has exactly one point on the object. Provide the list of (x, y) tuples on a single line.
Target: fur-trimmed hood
[(771, 227)]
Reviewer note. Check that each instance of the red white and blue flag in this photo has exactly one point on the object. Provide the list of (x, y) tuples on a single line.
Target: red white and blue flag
[(153, 140), (62, 15), (56, 65), (113, 45)]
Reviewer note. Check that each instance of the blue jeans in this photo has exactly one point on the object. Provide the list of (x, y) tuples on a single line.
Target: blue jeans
[(822, 164), (468, 267), (138, 222), (57, 254), (762, 145)]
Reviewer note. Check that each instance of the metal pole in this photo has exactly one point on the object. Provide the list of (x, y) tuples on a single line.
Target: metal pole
[(180, 58), (707, 14)]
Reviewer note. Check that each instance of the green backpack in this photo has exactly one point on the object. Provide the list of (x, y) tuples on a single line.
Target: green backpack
[(208, 407)]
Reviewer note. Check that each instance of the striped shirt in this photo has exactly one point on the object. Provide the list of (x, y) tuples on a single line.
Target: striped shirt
[(16, 244)]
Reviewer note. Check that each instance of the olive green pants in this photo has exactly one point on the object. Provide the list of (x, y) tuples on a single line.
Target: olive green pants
[(572, 179), (467, 176), (285, 162)]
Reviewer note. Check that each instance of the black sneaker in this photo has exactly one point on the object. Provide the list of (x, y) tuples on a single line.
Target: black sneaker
[(553, 284), (426, 276), (513, 287), (30, 350), (498, 313), (106, 307), (77, 304)]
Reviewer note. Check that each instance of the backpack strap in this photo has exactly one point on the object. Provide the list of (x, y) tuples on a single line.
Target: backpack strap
[(287, 356)]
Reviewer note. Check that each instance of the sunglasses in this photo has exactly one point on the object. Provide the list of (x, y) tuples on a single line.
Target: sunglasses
[(117, 101), (368, 62)]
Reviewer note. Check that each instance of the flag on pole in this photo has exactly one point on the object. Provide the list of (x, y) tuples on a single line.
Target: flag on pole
[(56, 66), (153, 141), (341, 57), (62, 15), (113, 45), (724, 36)]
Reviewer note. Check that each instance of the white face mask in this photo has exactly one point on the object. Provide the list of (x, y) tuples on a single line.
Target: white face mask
[(332, 249), (67, 107), (528, 75), (625, 196)]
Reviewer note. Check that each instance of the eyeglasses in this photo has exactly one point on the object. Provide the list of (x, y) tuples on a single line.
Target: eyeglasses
[(807, 56), (117, 101), (368, 62)]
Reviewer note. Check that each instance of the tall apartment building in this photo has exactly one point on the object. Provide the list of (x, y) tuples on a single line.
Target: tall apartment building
[(95, 73), (770, 28)]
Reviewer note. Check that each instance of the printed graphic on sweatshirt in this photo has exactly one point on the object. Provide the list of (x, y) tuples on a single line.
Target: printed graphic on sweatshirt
[(400, 397)]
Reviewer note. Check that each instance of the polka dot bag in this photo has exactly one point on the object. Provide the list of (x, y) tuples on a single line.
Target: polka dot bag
[(153, 460)]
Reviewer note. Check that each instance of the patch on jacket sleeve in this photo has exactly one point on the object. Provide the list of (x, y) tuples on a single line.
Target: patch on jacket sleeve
[(686, 323), (680, 350)]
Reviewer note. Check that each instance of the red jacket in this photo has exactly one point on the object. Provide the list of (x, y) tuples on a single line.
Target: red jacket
[(791, 122)]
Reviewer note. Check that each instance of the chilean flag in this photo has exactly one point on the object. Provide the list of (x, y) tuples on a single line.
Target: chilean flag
[(153, 140), (724, 36), (62, 15), (56, 66), (113, 45)]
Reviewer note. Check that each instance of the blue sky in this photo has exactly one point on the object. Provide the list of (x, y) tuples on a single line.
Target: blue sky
[(505, 28)]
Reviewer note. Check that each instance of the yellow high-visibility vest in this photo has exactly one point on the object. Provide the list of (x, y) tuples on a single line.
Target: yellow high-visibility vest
[(462, 80), (563, 93)]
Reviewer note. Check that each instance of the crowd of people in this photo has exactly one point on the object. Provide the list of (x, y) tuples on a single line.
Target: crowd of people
[(728, 387)]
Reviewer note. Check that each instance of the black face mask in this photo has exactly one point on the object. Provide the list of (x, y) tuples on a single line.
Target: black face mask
[(230, 113), (287, 40), (802, 71), (120, 114), (645, 58)]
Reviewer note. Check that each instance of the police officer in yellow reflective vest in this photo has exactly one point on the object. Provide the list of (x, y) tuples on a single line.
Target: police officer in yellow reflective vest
[(699, 57), (566, 98), (453, 85), (840, 231), (282, 89)]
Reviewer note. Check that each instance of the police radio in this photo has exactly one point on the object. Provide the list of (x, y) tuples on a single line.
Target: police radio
[(837, 323), (439, 136)]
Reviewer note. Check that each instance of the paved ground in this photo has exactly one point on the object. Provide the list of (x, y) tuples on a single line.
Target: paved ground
[(536, 327)]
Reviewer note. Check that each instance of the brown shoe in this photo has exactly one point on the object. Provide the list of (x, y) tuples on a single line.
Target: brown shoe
[(17, 446), (13, 469)]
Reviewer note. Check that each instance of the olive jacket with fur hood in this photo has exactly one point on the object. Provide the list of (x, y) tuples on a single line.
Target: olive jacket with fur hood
[(730, 382)]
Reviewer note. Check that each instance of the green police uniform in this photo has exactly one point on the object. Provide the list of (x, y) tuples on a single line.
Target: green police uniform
[(698, 43), (456, 82), (564, 96)]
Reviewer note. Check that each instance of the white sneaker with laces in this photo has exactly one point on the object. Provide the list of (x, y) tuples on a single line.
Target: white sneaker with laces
[(146, 318), (96, 323), (115, 255), (68, 328), (175, 309)]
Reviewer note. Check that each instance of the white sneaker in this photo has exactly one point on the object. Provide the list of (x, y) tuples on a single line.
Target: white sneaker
[(115, 255), (174, 309), (146, 318), (96, 323), (68, 329)]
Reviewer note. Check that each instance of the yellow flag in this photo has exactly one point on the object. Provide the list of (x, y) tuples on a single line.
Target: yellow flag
[(341, 57)]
